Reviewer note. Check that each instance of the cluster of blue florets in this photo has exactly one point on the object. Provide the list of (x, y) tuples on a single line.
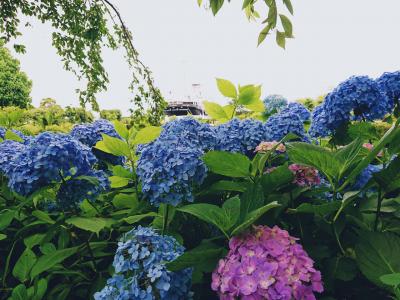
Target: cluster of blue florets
[(240, 135), (190, 130), (72, 192), (140, 270), (274, 104), (357, 98), (89, 134), (8, 150), (281, 124), (365, 176), (169, 168), (298, 109), (47, 159)]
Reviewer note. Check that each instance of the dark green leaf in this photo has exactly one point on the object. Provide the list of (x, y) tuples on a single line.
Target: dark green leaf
[(287, 26), (288, 5), (138, 218), (225, 185), (19, 293), (24, 265), (90, 224), (6, 218), (216, 5), (279, 177)]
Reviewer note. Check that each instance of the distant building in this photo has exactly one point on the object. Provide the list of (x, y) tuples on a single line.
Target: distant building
[(184, 108)]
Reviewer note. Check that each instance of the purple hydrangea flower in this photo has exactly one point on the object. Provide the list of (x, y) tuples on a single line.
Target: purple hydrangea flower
[(266, 263)]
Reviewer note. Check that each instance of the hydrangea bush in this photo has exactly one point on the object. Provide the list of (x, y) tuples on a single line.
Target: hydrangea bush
[(275, 204)]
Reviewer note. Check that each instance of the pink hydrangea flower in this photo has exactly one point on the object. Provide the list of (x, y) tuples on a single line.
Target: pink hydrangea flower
[(305, 176), (369, 147), (266, 263), (267, 146)]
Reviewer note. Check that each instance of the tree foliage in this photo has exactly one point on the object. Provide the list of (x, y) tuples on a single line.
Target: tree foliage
[(81, 30), (15, 86)]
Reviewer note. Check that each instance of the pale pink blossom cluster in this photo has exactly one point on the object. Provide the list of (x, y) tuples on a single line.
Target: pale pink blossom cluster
[(266, 263), (305, 176), (369, 146), (267, 146)]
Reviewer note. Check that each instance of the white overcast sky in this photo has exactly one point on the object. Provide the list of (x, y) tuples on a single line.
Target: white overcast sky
[(184, 44)]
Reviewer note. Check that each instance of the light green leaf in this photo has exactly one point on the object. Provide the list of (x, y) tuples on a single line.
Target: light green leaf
[(231, 209), (121, 172), (48, 261), (117, 182), (113, 146), (10, 135), (138, 218), (316, 209), (147, 135), (199, 2), (263, 34), (90, 224), (281, 39), (226, 88), (34, 240), (391, 279), (256, 106), (249, 94), (253, 216), (121, 129), (24, 265), (41, 288), (2, 236), (288, 5), (287, 26), (227, 163), (125, 201), (229, 110), (215, 111)]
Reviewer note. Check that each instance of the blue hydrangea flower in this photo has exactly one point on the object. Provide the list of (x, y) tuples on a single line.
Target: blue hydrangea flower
[(45, 159), (169, 169), (274, 104), (192, 131), (279, 125), (140, 271), (240, 135), (358, 96), (389, 83), (72, 192), (297, 109), (365, 176), (319, 123), (8, 151), (90, 133)]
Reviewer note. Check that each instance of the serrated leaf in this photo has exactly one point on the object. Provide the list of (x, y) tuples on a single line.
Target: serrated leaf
[(118, 182), (215, 111), (249, 94), (147, 135), (227, 163), (121, 129), (226, 88)]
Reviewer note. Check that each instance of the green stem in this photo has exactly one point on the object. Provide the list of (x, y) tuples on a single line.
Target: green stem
[(378, 209), (165, 219), (337, 239)]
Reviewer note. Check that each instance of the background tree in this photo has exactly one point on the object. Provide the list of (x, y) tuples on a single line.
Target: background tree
[(81, 29), (15, 87), (111, 114)]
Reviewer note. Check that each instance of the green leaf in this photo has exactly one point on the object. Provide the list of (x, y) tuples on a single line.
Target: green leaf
[(48, 261), (118, 182), (253, 198), (47, 248), (6, 218), (314, 156), (34, 240), (121, 171), (287, 26), (125, 201), (10, 135), (90, 224), (2, 236), (216, 5), (121, 129), (138, 218), (281, 39), (278, 178), (263, 34), (288, 5), (253, 216), (391, 279), (229, 110), (24, 265), (249, 94), (349, 155), (199, 2), (227, 163), (225, 185), (42, 216), (215, 111), (209, 213), (113, 145), (378, 254), (256, 106), (231, 209), (147, 135), (246, 3), (19, 293), (317, 209), (389, 178), (226, 88), (40, 289)]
